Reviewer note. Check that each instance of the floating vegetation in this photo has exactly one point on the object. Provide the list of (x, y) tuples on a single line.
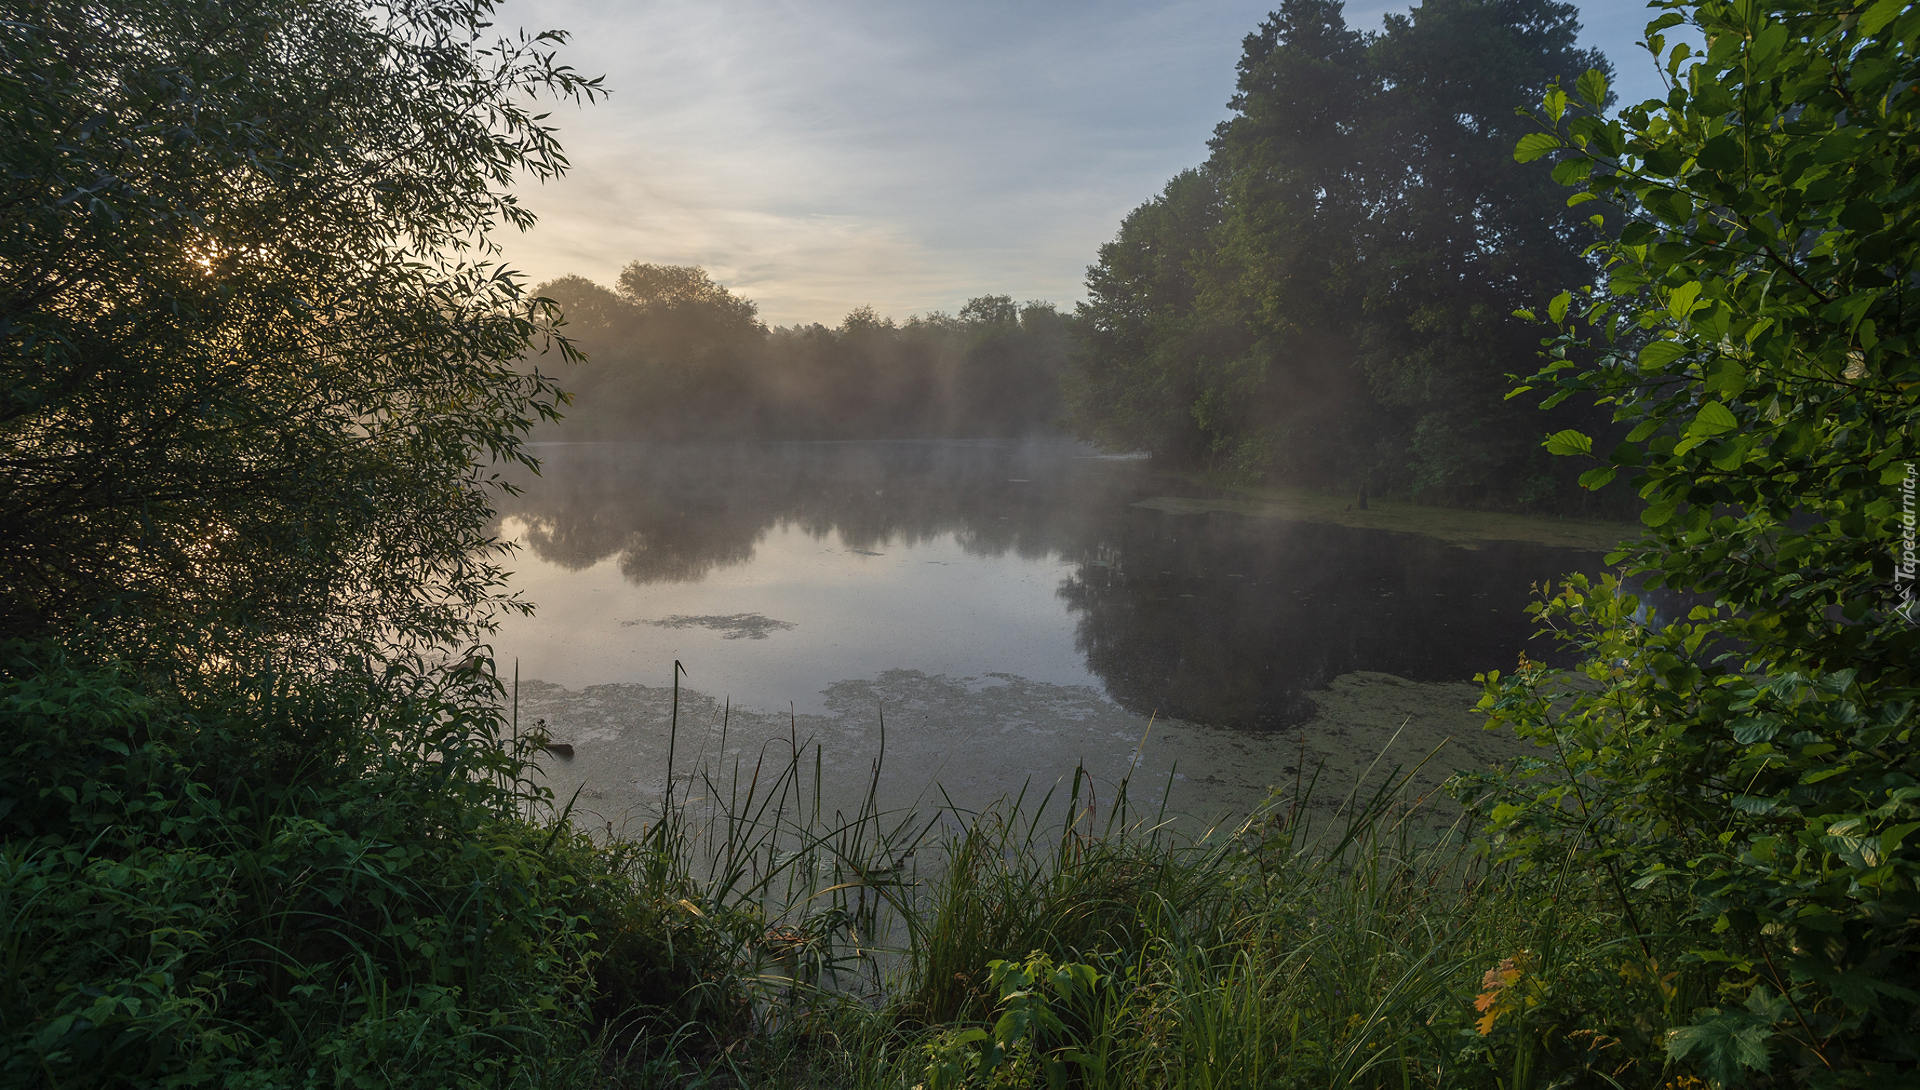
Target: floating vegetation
[(731, 626)]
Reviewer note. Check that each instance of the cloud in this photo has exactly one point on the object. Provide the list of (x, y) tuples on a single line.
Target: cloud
[(817, 155)]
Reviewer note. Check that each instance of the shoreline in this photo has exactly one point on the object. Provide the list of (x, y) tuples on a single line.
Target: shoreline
[(1462, 528)]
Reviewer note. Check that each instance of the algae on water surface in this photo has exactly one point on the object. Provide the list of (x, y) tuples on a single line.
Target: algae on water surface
[(980, 738), (1466, 529)]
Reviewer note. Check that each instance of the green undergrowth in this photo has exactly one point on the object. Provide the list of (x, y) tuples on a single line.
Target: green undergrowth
[(342, 880), (1053, 942), (353, 880)]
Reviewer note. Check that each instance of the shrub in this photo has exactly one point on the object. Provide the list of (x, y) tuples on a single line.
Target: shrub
[(1742, 783), (395, 910)]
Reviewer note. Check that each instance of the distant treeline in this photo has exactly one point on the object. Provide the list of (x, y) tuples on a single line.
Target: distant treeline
[(674, 355), (1329, 299)]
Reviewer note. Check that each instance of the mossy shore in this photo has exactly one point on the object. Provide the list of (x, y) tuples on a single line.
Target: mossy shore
[(1466, 529)]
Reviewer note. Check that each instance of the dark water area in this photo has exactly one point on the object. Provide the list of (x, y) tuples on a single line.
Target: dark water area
[(1222, 619), (810, 563)]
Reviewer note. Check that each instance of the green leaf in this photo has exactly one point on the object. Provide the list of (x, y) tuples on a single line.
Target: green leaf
[(1568, 442), (1557, 308), (1891, 840), (1766, 46), (1713, 418), (1733, 456), (1660, 354), (1723, 1044), (1861, 216), (1681, 302), (1592, 86), (1572, 171), (1659, 514), (1721, 154), (1535, 145), (1597, 478), (1879, 15)]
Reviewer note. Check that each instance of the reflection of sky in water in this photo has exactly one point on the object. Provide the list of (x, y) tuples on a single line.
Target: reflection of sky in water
[(970, 558), (926, 605)]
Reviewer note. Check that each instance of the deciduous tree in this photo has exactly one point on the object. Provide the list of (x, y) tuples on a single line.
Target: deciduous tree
[(254, 339)]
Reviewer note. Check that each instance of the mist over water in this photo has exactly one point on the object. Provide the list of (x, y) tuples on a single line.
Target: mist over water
[(774, 570)]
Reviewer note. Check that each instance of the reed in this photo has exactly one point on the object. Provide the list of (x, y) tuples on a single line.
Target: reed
[(339, 883), (1053, 940)]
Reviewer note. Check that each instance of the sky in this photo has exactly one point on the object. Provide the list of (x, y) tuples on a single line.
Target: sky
[(820, 155)]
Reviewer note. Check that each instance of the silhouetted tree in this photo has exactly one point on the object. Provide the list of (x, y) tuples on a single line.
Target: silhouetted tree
[(675, 356)]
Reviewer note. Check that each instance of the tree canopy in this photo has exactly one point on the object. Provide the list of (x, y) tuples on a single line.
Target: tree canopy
[(1328, 299), (253, 340)]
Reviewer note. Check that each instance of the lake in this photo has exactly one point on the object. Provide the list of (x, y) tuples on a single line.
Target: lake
[(1009, 608)]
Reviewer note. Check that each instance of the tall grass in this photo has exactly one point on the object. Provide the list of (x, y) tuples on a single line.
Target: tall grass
[(352, 884), (1053, 940)]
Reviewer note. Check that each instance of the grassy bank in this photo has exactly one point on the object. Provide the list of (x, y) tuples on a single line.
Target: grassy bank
[(1060, 941), (1455, 526), (357, 883)]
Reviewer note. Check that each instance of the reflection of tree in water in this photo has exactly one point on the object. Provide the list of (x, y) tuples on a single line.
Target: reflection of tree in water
[(1220, 619), (1210, 618), (675, 513)]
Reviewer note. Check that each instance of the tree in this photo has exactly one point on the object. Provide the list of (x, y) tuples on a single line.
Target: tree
[(1134, 387), (1746, 777), (1342, 308), (687, 289), (676, 357), (1755, 320), (1288, 394), (1466, 237), (253, 345), (990, 309)]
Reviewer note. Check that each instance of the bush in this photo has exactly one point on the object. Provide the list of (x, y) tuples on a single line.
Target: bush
[(1742, 783), (188, 901)]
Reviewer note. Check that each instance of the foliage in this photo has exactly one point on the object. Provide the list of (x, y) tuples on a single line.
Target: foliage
[(1746, 777), (1143, 332), (1328, 298), (1764, 820), (281, 884), (256, 827), (253, 343), (1028, 1026), (1753, 324), (676, 356), (1280, 952)]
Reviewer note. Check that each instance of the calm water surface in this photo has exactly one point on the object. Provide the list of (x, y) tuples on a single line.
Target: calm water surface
[(774, 571)]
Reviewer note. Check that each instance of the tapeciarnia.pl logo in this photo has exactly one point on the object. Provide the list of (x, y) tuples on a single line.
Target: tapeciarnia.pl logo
[(1903, 561)]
